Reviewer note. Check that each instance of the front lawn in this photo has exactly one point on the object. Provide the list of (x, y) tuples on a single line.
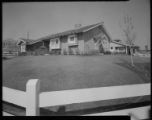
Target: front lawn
[(73, 72)]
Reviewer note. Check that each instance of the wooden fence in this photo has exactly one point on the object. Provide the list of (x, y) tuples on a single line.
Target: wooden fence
[(32, 99)]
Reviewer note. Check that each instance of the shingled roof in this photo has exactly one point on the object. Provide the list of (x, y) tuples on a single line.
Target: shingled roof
[(28, 41), (73, 31), (68, 32), (122, 43)]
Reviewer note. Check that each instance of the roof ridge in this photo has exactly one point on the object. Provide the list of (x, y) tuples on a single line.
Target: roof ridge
[(69, 30)]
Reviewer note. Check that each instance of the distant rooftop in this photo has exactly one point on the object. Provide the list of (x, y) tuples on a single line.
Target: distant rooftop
[(28, 41)]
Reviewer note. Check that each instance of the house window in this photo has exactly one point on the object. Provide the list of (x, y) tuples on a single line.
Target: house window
[(72, 38), (57, 41)]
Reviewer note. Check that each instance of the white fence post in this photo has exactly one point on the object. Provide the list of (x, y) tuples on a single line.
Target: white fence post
[(32, 94)]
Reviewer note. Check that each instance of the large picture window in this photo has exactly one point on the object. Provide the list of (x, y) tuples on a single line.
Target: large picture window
[(54, 43)]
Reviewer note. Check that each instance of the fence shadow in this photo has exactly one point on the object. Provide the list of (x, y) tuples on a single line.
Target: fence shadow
[(21, 111), (62, 110)]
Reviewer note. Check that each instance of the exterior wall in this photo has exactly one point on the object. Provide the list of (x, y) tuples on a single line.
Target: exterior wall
[(80, 43), (85, 42), (89, 46), (113, 49), (88, 37), (64, 44), (66, 47), (23, 47), (35, 46)]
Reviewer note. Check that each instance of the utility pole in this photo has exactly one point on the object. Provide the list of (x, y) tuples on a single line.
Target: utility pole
[(147, 44), (27, 35)]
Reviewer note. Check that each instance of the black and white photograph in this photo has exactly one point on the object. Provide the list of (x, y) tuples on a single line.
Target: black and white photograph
[(76, 58)]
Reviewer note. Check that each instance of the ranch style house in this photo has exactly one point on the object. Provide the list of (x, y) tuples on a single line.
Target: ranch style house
[(89, 39), (117, 46), (80, 40)]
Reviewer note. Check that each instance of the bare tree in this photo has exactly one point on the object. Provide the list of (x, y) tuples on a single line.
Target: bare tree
[(128, 29)]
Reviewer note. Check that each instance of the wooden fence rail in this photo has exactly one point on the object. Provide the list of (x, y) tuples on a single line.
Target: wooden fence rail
[(32, 99)]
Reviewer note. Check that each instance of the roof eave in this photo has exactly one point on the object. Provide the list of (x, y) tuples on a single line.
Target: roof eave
[(119, 43), (93, 27), (109, 35), (19, 42)]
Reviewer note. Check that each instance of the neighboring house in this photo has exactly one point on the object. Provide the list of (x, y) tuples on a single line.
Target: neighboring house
[(117, 46), (10, 46), (81, 40), (30, 46)]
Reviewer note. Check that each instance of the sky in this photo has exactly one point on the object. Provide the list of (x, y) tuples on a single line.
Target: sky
[(45, 18)]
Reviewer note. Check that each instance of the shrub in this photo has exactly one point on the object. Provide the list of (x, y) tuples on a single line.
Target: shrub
[(51, 52), (22, 54), (93, 52), (57, 52), (70, 52), (64, 52), (4, 58), (107, 52), (77, 52)]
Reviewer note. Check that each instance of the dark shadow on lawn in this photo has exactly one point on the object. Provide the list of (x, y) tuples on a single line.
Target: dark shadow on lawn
[(20, 111), (143, 70), (62, 110), (7, 58)]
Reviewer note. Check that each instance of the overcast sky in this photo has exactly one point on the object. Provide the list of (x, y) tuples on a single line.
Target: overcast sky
[(44, 18)]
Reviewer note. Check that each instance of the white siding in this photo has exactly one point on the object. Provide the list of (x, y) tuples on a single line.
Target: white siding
[(54, 44)]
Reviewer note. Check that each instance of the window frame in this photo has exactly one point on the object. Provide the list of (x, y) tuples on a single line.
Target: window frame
[(54, 44), (55, 41), (74, 40)]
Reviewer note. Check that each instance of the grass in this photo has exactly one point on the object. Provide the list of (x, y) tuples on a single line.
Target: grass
[(74, 72)]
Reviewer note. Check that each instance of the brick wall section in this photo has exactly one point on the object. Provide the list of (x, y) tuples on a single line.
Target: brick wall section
[(80, 43), (64, 44)]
